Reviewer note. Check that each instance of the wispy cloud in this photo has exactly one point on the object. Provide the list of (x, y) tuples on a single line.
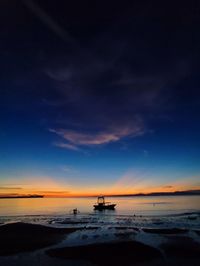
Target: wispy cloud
[(10, 188), (54, 192), (69, 169), (48, 21), (75, 138), (66, 146), (167, 186)]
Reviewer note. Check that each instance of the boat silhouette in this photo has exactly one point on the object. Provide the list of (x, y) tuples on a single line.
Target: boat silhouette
[(102, 205)]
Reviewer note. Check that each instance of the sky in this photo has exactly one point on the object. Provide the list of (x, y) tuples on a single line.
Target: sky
[(99, 97)]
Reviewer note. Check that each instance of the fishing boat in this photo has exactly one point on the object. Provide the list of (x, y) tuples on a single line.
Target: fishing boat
[(102, 205)]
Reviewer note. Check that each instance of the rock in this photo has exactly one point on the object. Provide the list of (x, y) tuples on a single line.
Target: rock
[(120, 253), (181, 246), (21, 237)]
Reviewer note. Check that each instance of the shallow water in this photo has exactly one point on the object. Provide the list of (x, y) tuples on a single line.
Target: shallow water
[(159, 205), (153, 212)]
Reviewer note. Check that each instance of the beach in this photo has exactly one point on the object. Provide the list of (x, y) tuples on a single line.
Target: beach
[(100, 239)]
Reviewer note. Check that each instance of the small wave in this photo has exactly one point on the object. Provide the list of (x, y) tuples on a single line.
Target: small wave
[(184, 214)]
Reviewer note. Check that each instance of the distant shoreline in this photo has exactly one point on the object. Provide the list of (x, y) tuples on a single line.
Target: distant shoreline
[(153, 194), (176, 193)]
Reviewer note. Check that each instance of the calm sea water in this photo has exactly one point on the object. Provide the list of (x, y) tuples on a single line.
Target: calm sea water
[(163, 205)]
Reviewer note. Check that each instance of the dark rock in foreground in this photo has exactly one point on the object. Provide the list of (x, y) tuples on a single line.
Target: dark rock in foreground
[(197, 232), (20, 237), (181, 246), (121, 253)]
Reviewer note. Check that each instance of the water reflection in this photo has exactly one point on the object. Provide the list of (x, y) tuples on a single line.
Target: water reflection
[(125, 205)]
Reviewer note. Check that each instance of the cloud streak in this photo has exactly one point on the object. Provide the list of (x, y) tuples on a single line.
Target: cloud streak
[(49, 21), (66, 146), (114, 134), (10, 188)]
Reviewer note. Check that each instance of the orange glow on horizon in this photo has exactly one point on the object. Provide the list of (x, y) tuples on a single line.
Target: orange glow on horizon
[(107, 192), (50, 187)]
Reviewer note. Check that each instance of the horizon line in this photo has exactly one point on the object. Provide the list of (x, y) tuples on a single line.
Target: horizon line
[(167, 193)]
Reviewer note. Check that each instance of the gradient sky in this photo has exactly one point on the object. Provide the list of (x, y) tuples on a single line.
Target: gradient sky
[(99, 97)]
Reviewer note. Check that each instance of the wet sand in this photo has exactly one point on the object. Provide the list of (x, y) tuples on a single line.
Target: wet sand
[(109, 253), (21, 237), (30, 244)]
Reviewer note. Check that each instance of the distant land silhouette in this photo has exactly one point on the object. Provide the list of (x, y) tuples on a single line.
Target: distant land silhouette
[(175, 193)]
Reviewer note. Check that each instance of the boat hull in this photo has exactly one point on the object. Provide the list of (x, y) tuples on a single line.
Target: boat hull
[(104, 207)]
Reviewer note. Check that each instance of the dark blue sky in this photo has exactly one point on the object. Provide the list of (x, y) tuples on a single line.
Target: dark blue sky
[(99, 96)]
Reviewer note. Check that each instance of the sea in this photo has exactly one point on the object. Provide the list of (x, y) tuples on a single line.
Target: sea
[(147, 211)]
